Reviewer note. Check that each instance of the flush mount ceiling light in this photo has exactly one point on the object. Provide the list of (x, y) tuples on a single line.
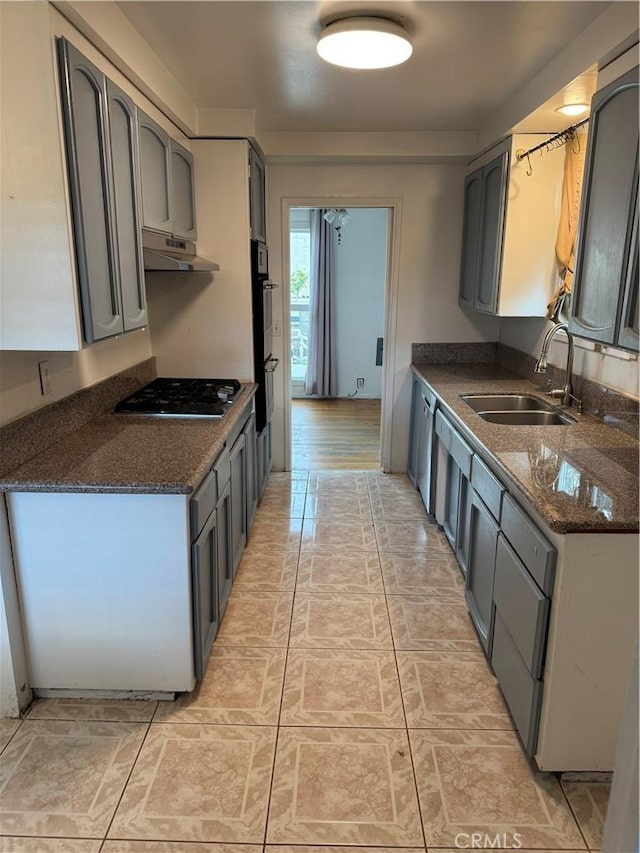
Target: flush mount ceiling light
[(364, 43), (572, 109)]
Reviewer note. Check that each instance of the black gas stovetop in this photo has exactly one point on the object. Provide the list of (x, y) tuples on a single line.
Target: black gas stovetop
[(182, 398)]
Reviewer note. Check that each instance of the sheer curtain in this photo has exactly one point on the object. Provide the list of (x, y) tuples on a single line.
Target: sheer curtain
[(320, 378)]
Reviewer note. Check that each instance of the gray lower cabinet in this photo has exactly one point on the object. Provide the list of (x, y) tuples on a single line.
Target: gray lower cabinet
[(264, 458), (211, 557), (102, 158), (238, 460), (481, 561), (251, 485), (458, 476), (521, 622), (605, 293), (421, 442), (206, 611), (224, 516), (414, 423)]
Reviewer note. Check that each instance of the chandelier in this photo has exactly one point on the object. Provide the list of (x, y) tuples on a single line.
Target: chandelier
[(338, 217)]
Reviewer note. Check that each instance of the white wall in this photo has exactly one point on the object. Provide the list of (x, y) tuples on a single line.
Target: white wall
[(360, 277), (611, 368), (201, 322), (424, 265)]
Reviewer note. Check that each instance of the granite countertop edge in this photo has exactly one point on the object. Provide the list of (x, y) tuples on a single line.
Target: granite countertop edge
[(438, 377), (127, 461)]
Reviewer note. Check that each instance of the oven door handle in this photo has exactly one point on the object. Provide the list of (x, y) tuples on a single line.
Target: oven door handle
[(269, 285), (271, 364)]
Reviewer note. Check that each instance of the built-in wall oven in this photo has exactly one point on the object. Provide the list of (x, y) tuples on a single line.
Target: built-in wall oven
[(264, 361)]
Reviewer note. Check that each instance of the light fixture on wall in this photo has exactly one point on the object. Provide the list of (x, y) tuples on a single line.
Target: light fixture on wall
[(338, 217), (364, 43), (572, 109)]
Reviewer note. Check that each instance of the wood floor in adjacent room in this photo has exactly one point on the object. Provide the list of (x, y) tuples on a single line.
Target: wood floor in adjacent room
[(335, 434)]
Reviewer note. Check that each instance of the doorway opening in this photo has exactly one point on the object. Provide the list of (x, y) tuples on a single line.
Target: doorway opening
[(339, 298)]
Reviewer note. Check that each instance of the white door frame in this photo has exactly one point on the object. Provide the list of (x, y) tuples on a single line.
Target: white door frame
[(392, 283)]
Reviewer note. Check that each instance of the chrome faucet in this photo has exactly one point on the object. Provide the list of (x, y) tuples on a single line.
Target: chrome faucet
[(566, 392)]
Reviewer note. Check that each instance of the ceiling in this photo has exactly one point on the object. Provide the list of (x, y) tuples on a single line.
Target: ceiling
[(469, 58)]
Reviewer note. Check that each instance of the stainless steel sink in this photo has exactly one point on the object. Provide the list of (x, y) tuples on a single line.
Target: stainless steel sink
[(505, 403), (516, 410), (526, 417)]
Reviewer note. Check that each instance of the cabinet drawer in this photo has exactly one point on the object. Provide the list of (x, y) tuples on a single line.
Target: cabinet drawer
[(202, 503), (522, 693), (538, 555), (522, 607), (461, 452), (222, 468), (486, 485)]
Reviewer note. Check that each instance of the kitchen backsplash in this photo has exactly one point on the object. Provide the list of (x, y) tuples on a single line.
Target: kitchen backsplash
[(608, 404), (23, 439)]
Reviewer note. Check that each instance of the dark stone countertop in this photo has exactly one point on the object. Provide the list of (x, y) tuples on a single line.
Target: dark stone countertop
[(130, 453), (577, 478)]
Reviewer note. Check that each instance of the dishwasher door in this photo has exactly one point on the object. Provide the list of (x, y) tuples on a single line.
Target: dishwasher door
[(425, 450)]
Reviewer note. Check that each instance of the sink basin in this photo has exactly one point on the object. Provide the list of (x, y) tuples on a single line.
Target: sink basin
[(527, 417), (505, 403)]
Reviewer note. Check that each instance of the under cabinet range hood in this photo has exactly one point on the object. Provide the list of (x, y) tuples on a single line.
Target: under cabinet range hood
[(171, 254)]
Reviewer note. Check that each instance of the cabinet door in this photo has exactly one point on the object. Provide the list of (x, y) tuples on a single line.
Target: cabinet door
[(238, 459), (470, 239), (607, 199), (452, 502), (85, 116), (252, 471), (483, 541), (155, 166), (494, 191), (225, 553), (629, 332), (123, 143), (204, 568), (414, 431), (257, 197), (183, 207), (464, 520)]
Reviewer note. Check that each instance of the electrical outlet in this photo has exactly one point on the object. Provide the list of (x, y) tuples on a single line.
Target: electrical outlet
[(276, 328), (360, 383), (45, 377)]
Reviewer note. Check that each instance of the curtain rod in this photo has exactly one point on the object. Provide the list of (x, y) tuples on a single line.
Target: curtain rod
[(561, 138)]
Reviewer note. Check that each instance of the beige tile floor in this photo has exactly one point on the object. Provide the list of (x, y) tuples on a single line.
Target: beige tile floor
[(346, 705)]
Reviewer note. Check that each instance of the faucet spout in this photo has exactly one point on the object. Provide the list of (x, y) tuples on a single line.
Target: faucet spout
[(566, 391)]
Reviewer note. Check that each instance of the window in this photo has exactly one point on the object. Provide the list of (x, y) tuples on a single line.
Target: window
[(300, 263)]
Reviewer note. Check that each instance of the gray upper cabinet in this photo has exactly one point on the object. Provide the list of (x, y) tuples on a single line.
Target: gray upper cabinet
[(470, 238), (182, 193), (86, 136), (629, 331), (123, 142), (605, 297), (155, 166), (102, 155), (257, 197), (494, 190), (484, 213)]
